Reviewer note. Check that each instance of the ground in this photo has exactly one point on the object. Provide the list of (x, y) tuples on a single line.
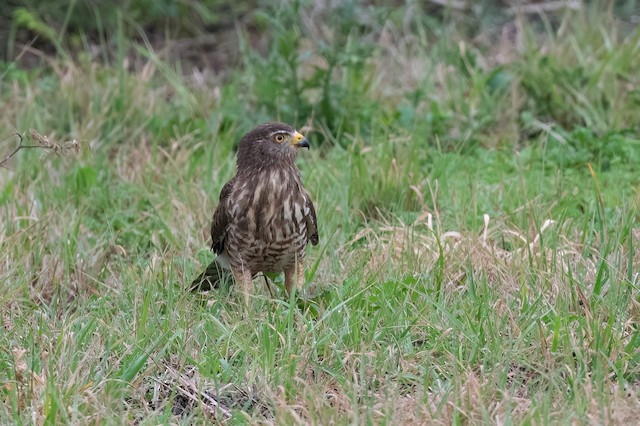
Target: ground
[(477, 193)]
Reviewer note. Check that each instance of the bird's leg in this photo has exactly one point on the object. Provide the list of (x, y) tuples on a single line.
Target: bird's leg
[(244, 279), (300, 275), (288, 279), (296, 272)]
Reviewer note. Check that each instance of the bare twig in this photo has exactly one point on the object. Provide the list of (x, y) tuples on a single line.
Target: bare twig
[(21, 146), (550, 6), (457, 5), (43, 143), (544, 7)]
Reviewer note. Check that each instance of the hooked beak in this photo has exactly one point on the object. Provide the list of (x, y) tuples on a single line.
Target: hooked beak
[(300, 141)]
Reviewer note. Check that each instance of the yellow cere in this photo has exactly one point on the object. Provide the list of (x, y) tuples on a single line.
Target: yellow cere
[(297, 137)]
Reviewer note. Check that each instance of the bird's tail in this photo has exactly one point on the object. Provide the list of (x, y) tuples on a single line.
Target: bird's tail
[(211, 278)]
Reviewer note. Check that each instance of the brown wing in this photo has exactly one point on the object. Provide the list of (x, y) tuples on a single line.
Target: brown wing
[(311, 222), (221, 218)]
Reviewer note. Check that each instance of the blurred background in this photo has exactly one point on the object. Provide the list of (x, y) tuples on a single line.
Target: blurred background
[(475, 171), (343, 65)]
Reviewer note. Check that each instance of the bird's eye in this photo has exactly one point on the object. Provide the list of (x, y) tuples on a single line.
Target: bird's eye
[(279, 138)]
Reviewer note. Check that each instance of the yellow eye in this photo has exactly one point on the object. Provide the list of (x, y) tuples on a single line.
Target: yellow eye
[(279, 138)]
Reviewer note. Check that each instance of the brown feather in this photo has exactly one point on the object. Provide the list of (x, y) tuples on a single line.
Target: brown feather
[(265, 218), (221, 219)]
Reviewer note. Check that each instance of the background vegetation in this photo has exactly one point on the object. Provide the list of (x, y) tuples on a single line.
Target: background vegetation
[(475, 170)]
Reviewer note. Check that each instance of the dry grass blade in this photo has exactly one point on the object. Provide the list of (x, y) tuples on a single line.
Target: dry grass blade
[(422, 117), (500, 253), (188, 388)]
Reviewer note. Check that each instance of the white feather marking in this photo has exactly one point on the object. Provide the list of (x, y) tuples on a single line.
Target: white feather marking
[(274, 180), (298, 213), (251, 214), (223, 260), (258, 190), (287, 210)]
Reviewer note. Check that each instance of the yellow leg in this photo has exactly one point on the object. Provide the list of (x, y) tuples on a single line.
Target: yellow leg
[(244, 279), (295, 273), (288, 279), (300, 275)]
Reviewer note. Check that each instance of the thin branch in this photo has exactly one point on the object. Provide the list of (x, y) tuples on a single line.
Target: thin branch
[(550, 6), (457, 5), (21, 146)]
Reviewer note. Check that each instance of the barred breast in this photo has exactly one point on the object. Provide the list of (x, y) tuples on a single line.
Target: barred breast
[(268, 232)]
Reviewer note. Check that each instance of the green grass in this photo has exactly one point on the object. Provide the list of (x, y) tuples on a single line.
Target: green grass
[(477, 193)]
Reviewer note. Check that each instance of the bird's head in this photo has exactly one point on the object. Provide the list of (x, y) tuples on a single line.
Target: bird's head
[(270, 143)]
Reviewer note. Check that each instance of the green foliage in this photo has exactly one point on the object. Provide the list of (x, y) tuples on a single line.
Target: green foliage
[(81, 17), (615, 149), (323, 77), (566, 87), (420, 308), (27, 19)]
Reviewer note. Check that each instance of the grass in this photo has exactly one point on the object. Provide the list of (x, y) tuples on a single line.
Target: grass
[(477, 196)]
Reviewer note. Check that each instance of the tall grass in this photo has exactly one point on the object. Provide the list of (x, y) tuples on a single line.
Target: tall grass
[(477, 194)]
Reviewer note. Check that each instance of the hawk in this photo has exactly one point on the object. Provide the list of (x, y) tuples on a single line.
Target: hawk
[(265, 217)]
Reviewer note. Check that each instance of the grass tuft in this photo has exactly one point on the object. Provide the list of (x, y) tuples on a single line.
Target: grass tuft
[(474, 175)]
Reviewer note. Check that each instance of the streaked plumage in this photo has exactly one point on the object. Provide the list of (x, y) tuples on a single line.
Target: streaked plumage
[(265, 218)]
